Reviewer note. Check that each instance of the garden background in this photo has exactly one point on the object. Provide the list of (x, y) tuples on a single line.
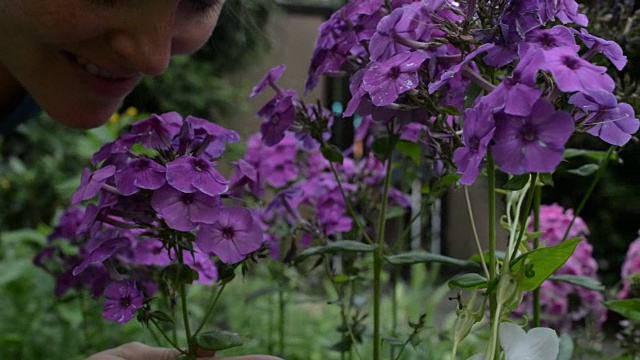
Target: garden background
[(41, 163)]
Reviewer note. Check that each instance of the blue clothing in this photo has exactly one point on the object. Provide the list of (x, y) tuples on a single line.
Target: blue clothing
[(27, 109)]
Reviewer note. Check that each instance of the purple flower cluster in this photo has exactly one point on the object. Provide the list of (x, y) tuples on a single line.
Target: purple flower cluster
[(564, 305), (308, 202), (159, 199), (408, 62), (630, 268)]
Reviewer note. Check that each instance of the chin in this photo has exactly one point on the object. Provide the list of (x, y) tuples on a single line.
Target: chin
[(82, 120)]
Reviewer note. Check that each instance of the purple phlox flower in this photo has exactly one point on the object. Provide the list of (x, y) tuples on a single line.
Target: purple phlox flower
[(362, 7), (206, 269), (157, 131), (478, 131), (534, 143), (610, 49), (567, 12), (331, 214), (517, 94), (246, 174), (269, 80), (183, 211), (123, 300), (116, 152), (278, 174), (355, 104), (91, 183), (404, 22), (151, 252), (502, 53), (103, 252), (279, 114), (571, 73), (285, 204), (385, 81), (605, 118), (68, 225), (210, 139), (520, 17), (398, 198), (554, 221), (455, 69), (630, 267), (190, 174), (141, 173), (231, 235), (547, 39), (413, 132)]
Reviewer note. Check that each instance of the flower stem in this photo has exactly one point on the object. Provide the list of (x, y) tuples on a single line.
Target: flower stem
[(493, 306), (536, 242), (172, 343), (281, 323), (352, 212), (185, 311), (377, 262), (212, 305)]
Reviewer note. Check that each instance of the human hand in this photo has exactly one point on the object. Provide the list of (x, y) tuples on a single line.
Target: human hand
[(139, 351)]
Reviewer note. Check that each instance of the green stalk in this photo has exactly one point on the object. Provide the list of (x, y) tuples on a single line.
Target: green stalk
[(210, 307), (281, 323), (523, 222), (536, 243), (491, 171), (173, 343), (185, 311), (592, 187), (377, 263)]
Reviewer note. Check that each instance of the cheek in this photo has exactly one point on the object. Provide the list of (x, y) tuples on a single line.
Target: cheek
[(189, 36)]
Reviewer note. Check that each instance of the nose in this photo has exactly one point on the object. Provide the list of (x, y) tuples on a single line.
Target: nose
[(146, 41)]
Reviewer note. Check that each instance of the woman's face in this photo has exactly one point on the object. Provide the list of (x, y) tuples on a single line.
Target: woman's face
[(79, 58)]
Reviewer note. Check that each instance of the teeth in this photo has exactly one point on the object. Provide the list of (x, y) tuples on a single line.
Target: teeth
[(93, 69)]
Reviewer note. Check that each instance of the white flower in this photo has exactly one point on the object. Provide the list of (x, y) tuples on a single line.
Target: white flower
[(537, 344)]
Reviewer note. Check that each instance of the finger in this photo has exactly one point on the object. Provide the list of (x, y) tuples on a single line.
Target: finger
[(136, 351)]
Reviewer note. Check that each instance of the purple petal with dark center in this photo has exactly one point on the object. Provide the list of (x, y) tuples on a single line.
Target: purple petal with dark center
[(102, 253)]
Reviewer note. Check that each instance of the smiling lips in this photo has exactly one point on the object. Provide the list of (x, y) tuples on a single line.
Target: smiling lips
[(104, 82)]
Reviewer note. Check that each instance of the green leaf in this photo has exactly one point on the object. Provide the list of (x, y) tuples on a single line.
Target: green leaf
[(449, 110), (395, 212), (139, 149), (176, 274), (218, 340), (331, 153), (584, 170), (595, 155), (447, 180), (517, 182), (383, 147), (473, 91), (546, 179), (629, 308), (468, 281), (418, 257), (393, 341), (161, 316), (341, 279), (410, 149), (544, 262), (14, 270), (566, 348), (582, 281), (336, 247)]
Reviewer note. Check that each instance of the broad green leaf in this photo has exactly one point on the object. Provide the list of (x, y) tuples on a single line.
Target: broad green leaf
[(383, 147), (595, 155), (336, 247), (584, 170), (410, 149), (177, 274), (418, 257), (14, 270), (566, 348), (517, 182), (629, 308), (476, 258), (544, 262), (218, 340), (468, 281), (331, 153), (582, 281)]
